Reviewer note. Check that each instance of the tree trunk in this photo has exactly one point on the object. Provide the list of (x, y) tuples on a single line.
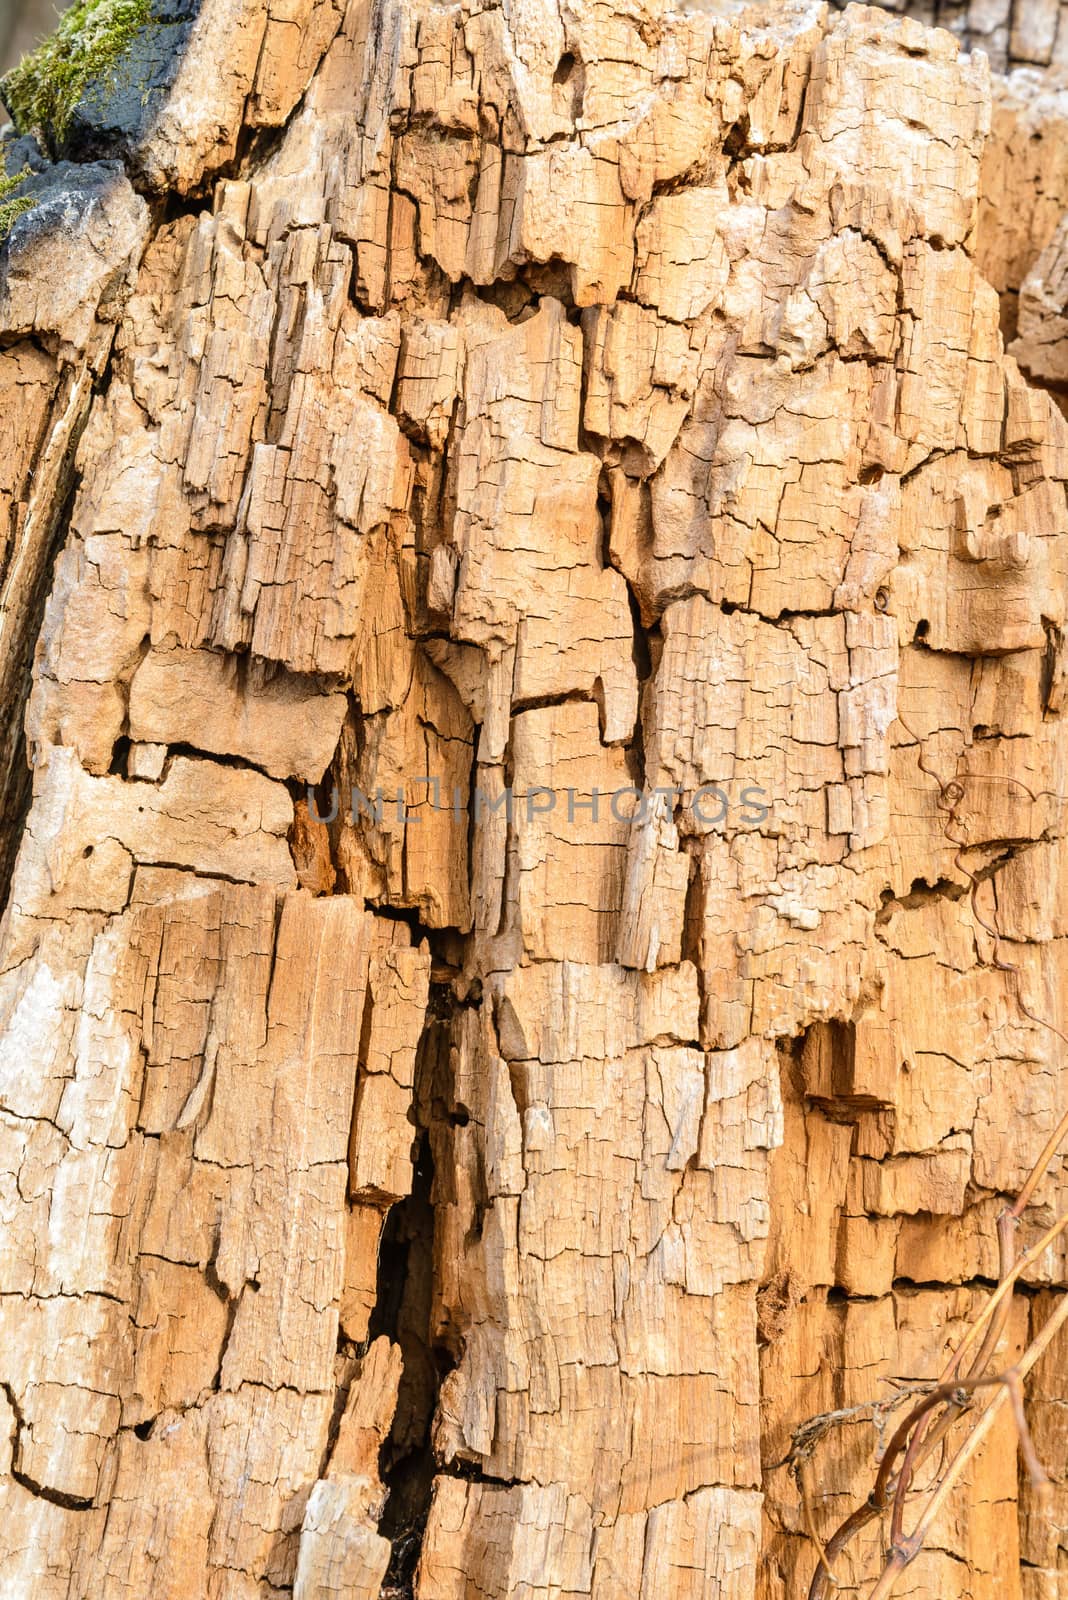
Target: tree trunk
[(534, 585)]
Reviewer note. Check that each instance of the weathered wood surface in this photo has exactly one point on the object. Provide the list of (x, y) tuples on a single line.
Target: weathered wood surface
[(555, 404), (1012, 33)]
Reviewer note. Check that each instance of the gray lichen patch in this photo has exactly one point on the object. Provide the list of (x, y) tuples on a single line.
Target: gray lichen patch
[(68, 253), (118, 116)]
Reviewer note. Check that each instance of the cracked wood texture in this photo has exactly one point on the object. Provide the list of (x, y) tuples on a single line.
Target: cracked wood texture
[(1012, 33), (588, 404)]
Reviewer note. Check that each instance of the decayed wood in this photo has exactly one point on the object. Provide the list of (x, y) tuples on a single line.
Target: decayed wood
[(1012, 33), (531, 967)]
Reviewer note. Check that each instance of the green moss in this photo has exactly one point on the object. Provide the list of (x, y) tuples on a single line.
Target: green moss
[(42, 92), (10, 210)]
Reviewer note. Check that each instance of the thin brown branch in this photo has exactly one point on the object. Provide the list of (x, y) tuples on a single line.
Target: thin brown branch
[(906, 1551)]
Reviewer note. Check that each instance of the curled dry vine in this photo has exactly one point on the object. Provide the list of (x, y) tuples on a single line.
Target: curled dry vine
[(925, 1432)]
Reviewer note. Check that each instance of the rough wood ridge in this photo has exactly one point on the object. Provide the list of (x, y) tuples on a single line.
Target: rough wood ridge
[(574, 415)]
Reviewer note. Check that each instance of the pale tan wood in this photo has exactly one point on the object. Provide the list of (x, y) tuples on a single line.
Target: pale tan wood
[(530, 967)]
